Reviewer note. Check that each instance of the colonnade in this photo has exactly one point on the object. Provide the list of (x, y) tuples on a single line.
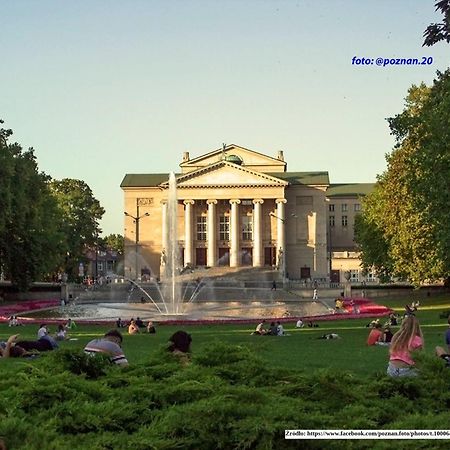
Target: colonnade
[(235, 231)]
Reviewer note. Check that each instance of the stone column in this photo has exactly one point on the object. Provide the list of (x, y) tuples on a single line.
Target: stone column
[(188, 238), (281, 239), (234, 231), (257, 233), (211, 256)]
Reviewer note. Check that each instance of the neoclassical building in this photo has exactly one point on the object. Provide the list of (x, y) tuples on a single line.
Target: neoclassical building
[(235, 207)]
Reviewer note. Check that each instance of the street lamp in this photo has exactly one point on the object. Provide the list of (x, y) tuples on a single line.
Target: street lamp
[(136, 220)]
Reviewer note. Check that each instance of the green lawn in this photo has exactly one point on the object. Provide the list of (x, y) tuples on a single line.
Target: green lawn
[(300, 350)]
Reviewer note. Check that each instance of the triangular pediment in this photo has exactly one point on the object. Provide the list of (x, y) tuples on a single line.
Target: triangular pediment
[(224, 173), (250, 158)]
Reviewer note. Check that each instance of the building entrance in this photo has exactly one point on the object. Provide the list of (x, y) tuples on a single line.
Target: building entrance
[(224, 256), (200, 256)]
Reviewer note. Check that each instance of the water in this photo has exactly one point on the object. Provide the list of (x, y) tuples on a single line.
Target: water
[(171, 290), (209, 310)]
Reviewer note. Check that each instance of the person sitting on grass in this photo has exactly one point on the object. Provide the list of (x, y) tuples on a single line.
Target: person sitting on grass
[(272, 330), (387, 336), (299, 324), (180, 345), (61, 334), (445, 353), (280, 329), (139, 323), (375, 335), (43, 331), (133, 328), (151, 327), (407, 339), (111, 345), (260, 328), (70, 325)]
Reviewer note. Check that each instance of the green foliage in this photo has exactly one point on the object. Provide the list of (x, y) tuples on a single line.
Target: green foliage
[(163, 404), (114, 242), (405, 228), (437, 32), (30, 233), (81, 213)]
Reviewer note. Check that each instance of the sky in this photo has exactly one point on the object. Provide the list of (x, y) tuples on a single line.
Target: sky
[(104, 88)]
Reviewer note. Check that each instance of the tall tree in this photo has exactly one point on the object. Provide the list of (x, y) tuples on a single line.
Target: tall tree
[(30, 240), (410, 206), (81, 213)]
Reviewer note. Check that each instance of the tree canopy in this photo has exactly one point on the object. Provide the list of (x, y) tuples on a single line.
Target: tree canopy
[(405, 228), (45, 224)]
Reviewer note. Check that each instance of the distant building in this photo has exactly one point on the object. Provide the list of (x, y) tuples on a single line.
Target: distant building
[(236, 207), (102, 263)]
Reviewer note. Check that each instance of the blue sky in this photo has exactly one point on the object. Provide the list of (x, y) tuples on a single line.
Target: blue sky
[(104, 88)]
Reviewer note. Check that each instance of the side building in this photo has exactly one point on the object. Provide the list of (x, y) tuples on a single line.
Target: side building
[(344, 203)]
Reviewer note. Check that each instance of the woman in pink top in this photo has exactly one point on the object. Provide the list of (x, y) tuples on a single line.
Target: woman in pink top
[(407, 339)]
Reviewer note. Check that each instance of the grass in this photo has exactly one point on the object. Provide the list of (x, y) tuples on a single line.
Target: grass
[(239, 392), (300, 350)]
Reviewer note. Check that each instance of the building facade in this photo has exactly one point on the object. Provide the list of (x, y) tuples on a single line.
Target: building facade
[(235, 207)]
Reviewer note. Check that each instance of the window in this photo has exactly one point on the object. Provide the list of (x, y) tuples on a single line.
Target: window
[(331, 221), (201, 228), (344, 207), (370, 275), (331, 207), (344, 221), (100, 266), (247, 228), (357, 207), (224, 228), (354, 276)]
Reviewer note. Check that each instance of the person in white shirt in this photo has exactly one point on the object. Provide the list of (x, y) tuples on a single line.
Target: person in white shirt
[(43, 331), (280, 329), (299, 324)]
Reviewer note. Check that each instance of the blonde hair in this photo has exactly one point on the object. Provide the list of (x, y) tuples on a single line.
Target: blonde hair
[(402, 339)]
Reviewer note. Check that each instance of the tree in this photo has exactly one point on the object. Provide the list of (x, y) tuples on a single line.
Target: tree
[(29, 224), (114, 242), (410, 205), (81, 213), (437, 32)]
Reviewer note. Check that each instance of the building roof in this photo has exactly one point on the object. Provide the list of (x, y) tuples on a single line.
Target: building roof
[(306, 178), (349, 190), (155, 179), (144, 179)]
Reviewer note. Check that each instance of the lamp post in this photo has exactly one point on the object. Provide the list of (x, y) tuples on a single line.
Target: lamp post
[(281, 258), (136, 220)]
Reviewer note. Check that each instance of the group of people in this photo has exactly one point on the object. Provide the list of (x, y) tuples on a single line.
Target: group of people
[(379, 335), (404, 342), (110, 344), (274, 329), (135, 326)]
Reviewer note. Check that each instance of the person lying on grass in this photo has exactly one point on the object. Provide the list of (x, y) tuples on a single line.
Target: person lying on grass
[(111, 345), (13, 349)]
